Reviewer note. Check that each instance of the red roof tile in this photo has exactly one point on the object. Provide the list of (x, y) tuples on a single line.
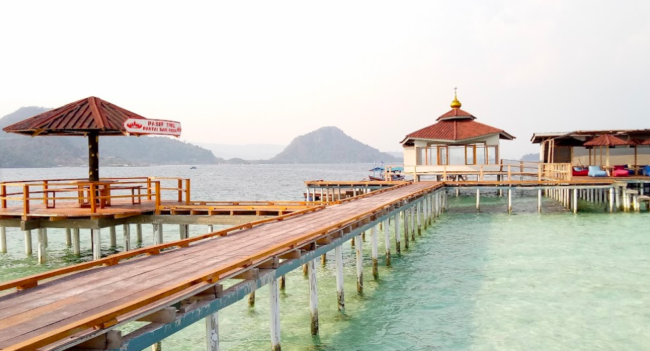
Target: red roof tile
[(457, 129), (455, 113), (77, 118), (607, 140)]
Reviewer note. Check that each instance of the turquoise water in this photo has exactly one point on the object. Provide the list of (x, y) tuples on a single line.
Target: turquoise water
[(488, 281)]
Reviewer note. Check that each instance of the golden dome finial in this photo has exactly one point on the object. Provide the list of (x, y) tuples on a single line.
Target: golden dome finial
[(455, 103)]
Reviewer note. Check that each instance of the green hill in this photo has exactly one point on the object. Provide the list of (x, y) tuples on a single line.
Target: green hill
[(330, 145), (51, 151)]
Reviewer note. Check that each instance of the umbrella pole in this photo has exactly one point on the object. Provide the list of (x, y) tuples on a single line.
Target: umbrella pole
[(607, 156), (93, 157)]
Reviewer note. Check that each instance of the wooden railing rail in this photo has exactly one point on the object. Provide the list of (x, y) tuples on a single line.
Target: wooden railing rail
[(28, 192), (108, 318)]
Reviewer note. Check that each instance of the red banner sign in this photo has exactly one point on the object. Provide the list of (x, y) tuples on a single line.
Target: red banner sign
[(153, 127)]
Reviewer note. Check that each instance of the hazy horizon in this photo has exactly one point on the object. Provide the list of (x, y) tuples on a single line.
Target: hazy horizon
[(266, 72)]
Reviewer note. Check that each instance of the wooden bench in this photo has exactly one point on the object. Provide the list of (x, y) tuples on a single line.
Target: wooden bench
[(134, 189), (53, 192)]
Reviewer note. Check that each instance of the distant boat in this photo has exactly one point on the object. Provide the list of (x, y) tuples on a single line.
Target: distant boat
[(193, 167), (394, 173)]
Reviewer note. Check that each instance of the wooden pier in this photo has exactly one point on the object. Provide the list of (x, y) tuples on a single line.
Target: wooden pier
[(84, 305)]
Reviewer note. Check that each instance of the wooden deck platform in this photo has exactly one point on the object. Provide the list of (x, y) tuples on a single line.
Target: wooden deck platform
[(123, 209), (97, 299)]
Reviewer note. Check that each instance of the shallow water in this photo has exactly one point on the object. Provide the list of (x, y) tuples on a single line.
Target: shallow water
[(488, 281)]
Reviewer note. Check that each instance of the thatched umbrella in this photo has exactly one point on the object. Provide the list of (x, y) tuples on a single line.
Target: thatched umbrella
[(606, 140), (92, 117)]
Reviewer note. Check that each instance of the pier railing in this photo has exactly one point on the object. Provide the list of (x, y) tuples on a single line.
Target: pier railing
[(505, 169), (86, 196)]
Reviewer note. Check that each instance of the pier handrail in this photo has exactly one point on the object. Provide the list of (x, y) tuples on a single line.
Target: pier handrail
[(27, 191), (108, 318)]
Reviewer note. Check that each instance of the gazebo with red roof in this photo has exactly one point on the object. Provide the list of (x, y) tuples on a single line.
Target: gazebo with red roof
[(457, 139), (92, 117)]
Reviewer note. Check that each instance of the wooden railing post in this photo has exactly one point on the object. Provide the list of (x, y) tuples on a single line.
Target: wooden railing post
[(148, 188), (521, 166), (509, 173), (93, 194), (539, 172), (187, 191), (45, 187), (157, 197), (180, 190), (3, 193), (25, 199)]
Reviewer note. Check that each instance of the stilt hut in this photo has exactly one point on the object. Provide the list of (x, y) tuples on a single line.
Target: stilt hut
[(455, 144)]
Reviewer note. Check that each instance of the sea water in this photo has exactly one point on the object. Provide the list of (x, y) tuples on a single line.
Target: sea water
[(472, 281)]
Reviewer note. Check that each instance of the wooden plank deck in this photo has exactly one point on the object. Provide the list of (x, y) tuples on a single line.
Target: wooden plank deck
[(62, 305), (126, 209)]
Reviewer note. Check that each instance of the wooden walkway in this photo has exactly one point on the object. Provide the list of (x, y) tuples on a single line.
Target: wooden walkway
[(103, 297)]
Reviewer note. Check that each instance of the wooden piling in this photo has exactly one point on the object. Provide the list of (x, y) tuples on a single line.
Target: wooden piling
[(313, 297), (182, 231), (611, 200), (323, 259), (113, 236), (41, 253), (212, 331), (3, 240), (157, 233), (510, 200), (398, 240), (251, 299), (412, 223), (575, 200), (138, 234), (359, 252), (375, 255), (28, 242), (274, 302), (76, 244), (157, 346), (97, 244), (68, 237), (418, 213), (387, 241), (283, 282), (406, 229), (539, 201), (340, 296), (126, 229), (478, 200)]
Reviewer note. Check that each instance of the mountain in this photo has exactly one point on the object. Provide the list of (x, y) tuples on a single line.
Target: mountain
[(396, 154), (330, 145), (530, 157), (246, 152), (50, 151)]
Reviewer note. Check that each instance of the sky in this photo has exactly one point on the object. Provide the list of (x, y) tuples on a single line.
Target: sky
[(245, 72)]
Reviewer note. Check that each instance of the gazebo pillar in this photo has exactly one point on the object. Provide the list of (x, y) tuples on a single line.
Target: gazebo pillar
[(93, 157)]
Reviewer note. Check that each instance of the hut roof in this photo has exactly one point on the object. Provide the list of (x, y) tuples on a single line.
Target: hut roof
[(456, 125), (607, 140), (456, 113), (91, 114), (458, 129)]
